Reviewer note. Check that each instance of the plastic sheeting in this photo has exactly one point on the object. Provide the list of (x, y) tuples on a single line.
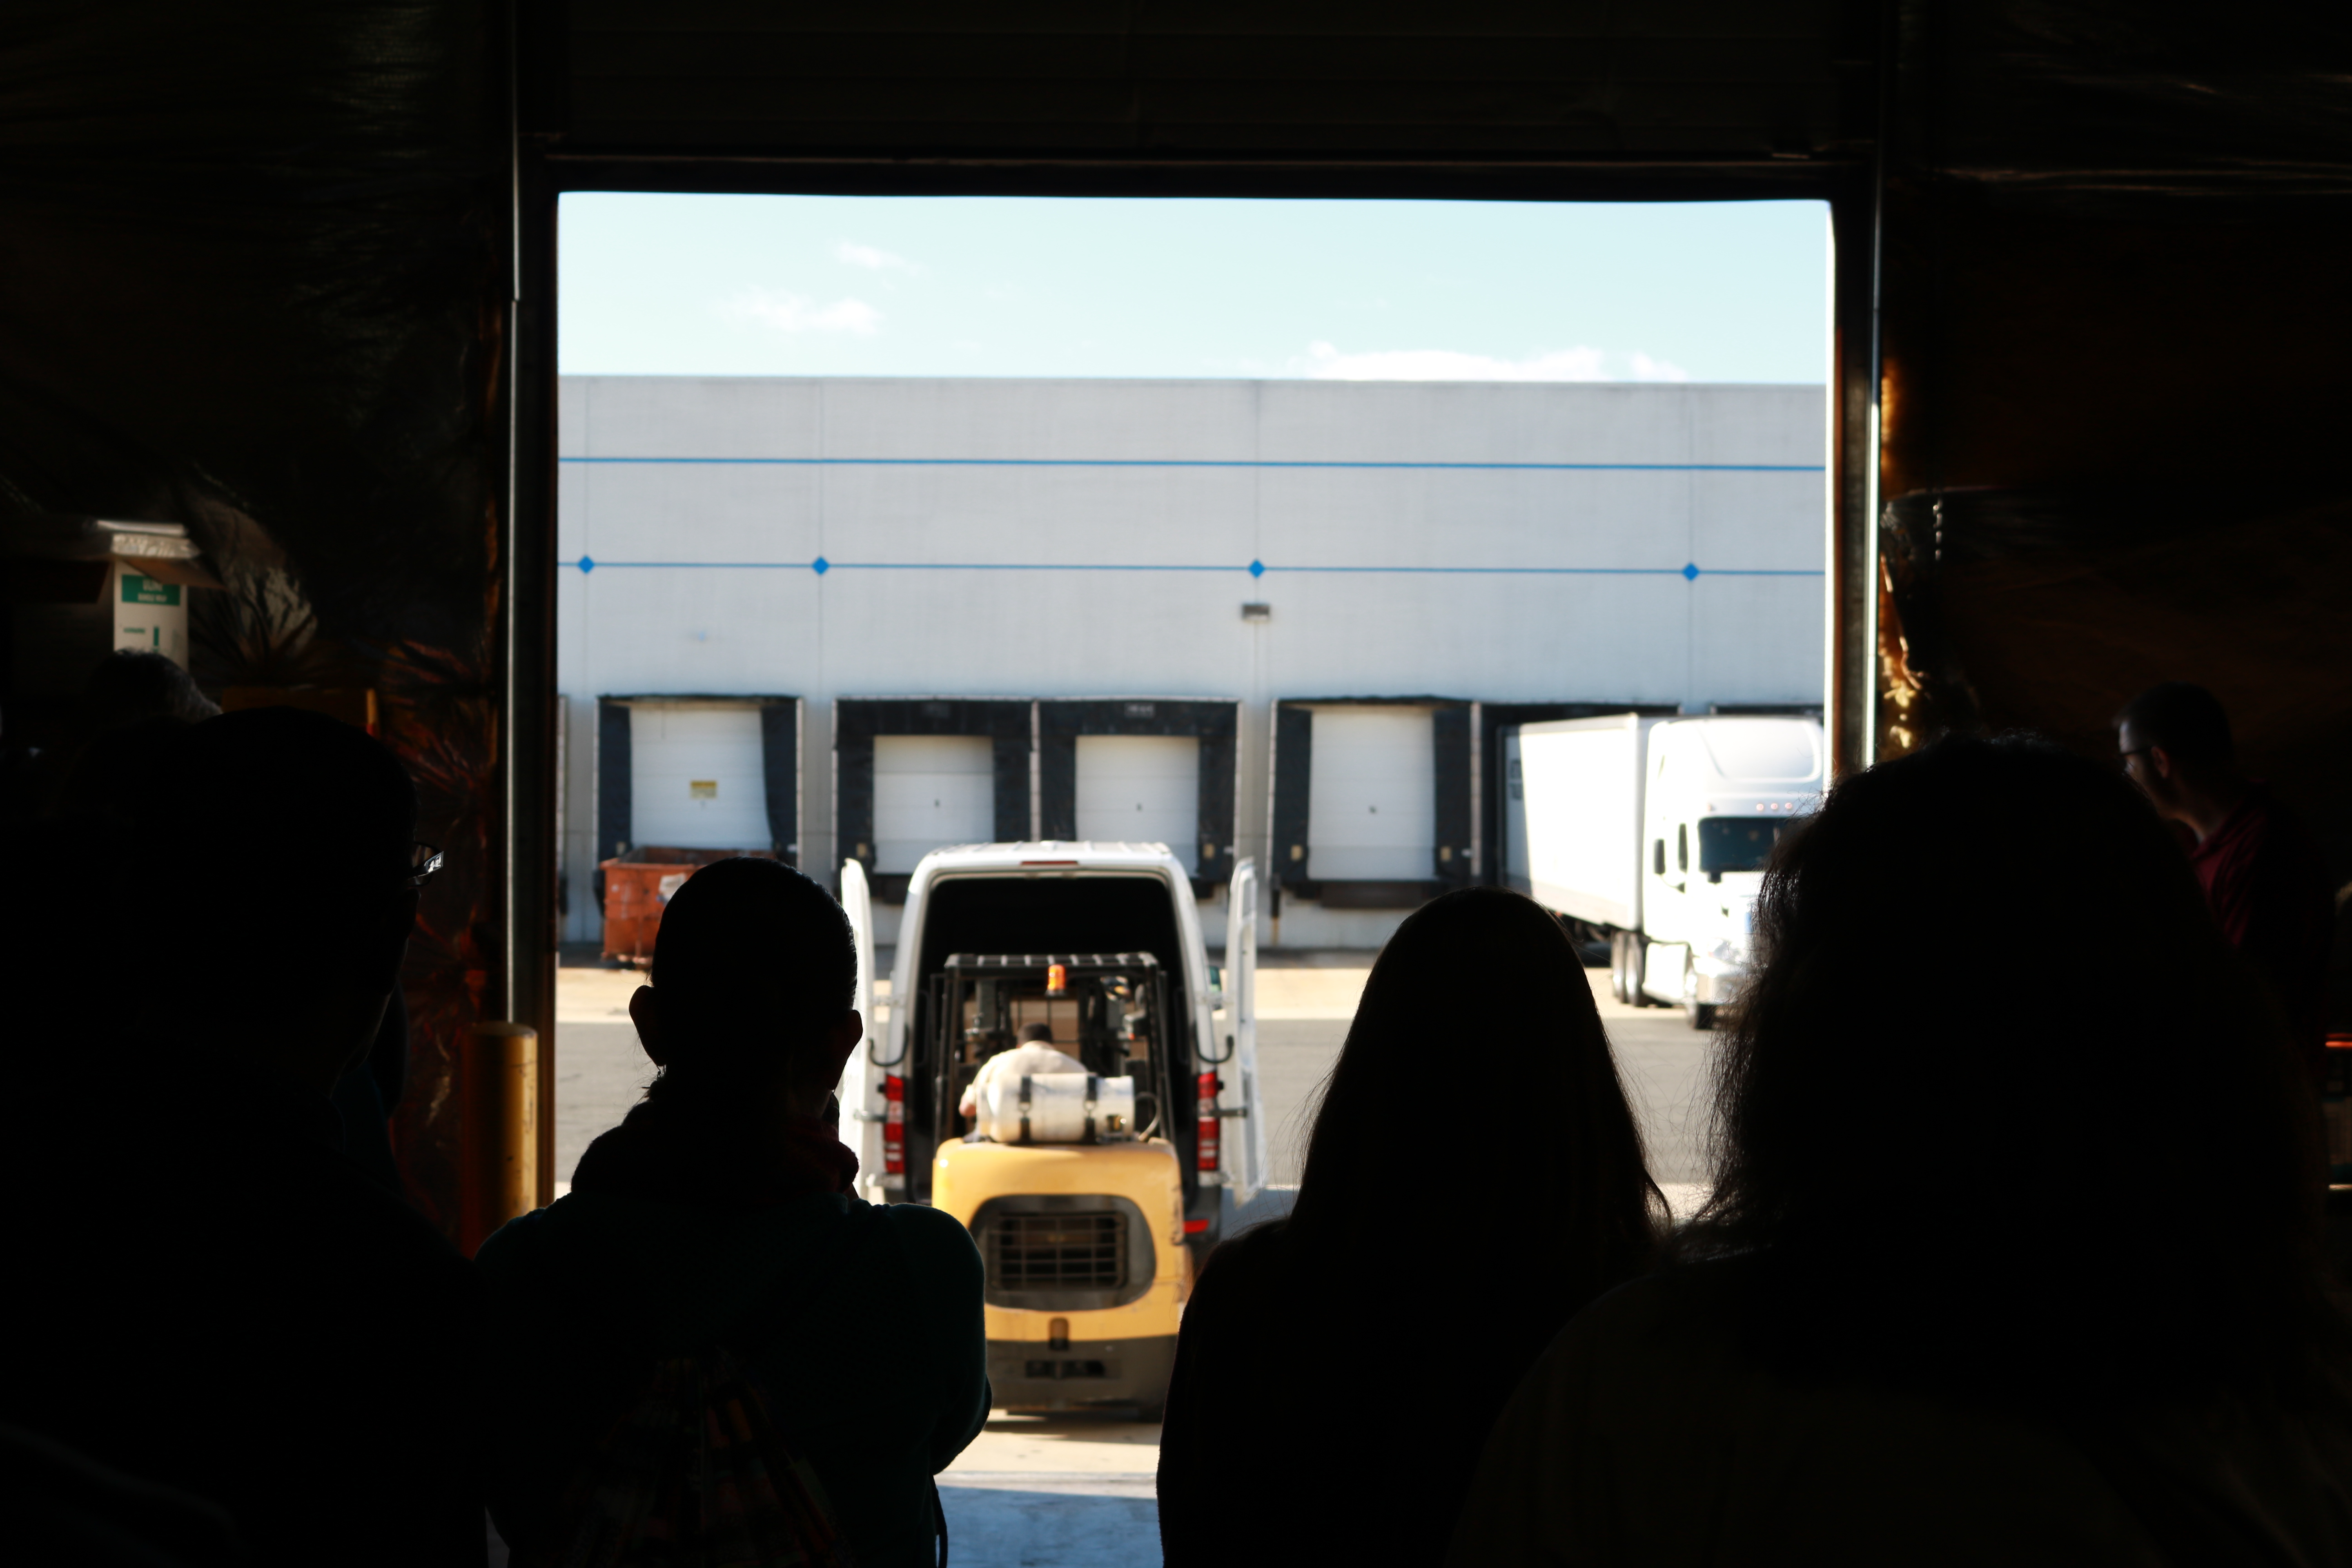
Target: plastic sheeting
[(252, 274)]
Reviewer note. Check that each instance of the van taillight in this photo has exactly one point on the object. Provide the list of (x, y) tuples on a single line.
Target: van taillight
[(894, 1125), (1208, 1138)]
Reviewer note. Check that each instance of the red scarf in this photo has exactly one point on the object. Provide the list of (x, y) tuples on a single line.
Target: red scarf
[(690, 1151)]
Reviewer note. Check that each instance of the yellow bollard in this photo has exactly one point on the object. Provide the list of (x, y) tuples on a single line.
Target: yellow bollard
[(497, 1129)]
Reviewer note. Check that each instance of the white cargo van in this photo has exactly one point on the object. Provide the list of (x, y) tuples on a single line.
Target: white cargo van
[(1091, 1236), (1652, 834)]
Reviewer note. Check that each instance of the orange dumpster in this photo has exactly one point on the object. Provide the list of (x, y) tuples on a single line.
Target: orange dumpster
[(638, 884)]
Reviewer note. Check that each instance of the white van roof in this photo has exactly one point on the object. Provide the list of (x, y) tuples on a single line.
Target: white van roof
[(1041, 854)]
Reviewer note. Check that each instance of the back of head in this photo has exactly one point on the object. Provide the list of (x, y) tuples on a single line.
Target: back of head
[(1996, 1106), (1479, 1002), (130, 684), (753, 961), (2184, 718), (274, 841), (1037, 1034)]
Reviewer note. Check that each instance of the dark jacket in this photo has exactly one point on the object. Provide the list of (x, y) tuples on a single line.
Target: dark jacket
[(1329, 1413), (224, 1304), (880, 1380)]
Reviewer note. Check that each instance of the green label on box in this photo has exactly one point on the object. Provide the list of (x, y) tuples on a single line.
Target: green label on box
[(137, 590)]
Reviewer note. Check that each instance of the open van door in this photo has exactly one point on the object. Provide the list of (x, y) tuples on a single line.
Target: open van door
[(1247, 1173), (862, 1105)]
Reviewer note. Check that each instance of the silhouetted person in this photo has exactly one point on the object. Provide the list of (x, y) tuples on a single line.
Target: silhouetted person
[(365, 1097), (130, 688), (2006, 1262), (65, 1510), (1033, 1054), (719, 1211), (1338, 1368), (2263, 875), (221, 1301)]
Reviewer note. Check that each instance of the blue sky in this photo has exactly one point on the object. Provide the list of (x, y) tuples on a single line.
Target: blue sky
[(703, 285)]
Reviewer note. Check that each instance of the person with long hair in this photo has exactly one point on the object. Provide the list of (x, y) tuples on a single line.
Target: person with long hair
[(1473, 1177), (2014, 1252)]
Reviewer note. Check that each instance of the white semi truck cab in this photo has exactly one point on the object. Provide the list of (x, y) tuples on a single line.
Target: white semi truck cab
[(1091, 1232), (1654, 834)]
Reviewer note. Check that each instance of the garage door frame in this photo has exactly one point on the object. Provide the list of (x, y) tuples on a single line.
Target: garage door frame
[(1455, 837), (1008, 723), (613, 807), (1215, 721)]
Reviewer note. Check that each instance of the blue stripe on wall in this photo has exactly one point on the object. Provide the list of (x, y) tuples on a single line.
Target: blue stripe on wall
[(821, 567), (1210, 463)]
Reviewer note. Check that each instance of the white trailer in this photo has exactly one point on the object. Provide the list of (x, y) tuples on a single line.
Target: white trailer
[(1653, 833)]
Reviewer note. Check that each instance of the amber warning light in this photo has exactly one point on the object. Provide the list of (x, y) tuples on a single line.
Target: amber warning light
[(1057, 980)]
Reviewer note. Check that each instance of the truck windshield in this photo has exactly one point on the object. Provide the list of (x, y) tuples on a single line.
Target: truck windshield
[(1736, 843)]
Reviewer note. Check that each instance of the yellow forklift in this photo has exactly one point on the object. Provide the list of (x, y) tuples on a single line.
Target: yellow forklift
[(1070, 1183)]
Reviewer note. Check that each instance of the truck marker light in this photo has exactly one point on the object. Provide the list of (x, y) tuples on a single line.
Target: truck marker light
[(894, 1125), (1208, 1130), (1057, 980)]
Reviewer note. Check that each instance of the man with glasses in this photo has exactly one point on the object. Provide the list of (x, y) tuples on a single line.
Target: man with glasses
[(2263, 876), (227, 1303)]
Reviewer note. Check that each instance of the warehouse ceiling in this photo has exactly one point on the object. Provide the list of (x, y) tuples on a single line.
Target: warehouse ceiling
[(1721, 97)]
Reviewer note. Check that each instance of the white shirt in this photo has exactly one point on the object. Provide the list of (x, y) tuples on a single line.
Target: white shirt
[(1032, 1060)]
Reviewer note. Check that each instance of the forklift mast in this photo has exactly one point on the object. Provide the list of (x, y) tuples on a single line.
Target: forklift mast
[(1107, 1009)]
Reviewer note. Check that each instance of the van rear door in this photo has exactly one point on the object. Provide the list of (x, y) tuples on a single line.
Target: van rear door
[(863, 1104), (1247, 1172)]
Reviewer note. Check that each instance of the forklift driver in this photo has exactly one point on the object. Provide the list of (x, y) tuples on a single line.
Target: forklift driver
[(1029, 1059)]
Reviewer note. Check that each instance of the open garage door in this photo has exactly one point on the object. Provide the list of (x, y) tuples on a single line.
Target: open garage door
[(1142, 789)]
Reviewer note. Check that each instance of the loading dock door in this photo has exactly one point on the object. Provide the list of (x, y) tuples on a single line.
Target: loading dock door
[(1141, 788), (1372, 795), (931, 790), (698, 776)]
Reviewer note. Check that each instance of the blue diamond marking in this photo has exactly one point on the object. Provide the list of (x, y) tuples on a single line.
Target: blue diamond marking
[(1257, 568), (820, 566), (1690, 572), (586, 566)]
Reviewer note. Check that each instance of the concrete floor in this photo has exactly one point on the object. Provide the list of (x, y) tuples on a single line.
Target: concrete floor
[(1075, 1492)]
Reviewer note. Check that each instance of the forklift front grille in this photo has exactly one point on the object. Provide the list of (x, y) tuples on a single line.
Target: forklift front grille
[(1086, 1251)]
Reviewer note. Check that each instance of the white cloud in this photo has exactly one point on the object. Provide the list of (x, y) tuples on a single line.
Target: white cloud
[(1324, 362), (792, 313), (872, 260)]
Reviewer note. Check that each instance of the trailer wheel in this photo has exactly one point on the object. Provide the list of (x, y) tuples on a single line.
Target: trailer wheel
[(1698, 1014), (1637, 958)]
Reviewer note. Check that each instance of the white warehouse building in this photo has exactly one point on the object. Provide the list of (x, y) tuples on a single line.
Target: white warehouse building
[(1287, 619)]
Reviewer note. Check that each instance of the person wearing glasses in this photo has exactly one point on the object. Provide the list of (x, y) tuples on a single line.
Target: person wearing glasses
[(212, 1296), (2263, 878)]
